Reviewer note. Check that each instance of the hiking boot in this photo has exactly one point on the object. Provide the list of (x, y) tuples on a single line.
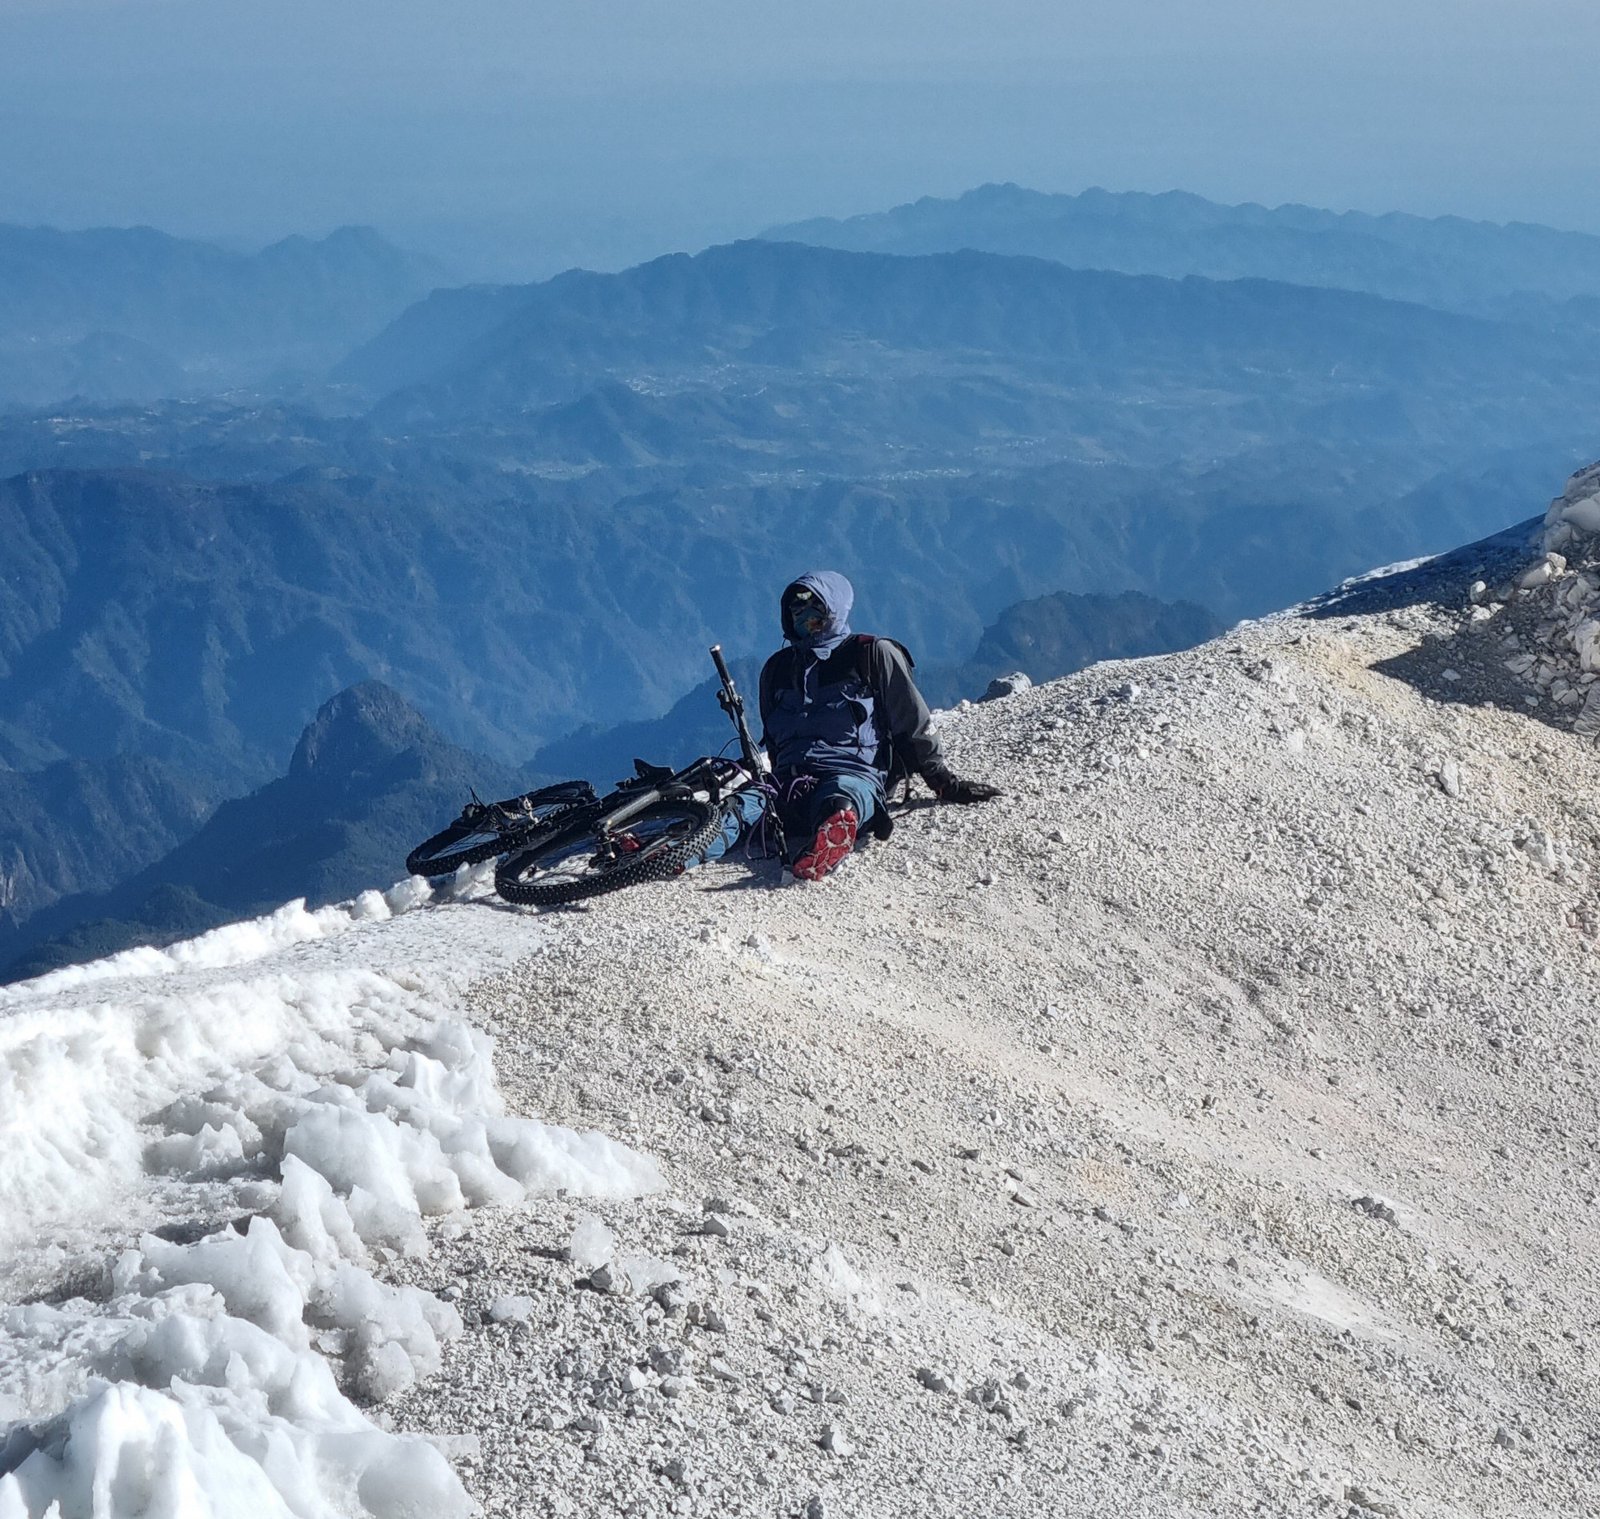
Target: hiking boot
[(832, 845)]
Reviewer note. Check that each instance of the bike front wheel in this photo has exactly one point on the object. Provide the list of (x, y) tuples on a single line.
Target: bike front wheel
[(587, 859), (482, 832)]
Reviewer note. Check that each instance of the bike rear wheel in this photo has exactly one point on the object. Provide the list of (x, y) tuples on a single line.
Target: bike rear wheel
[(482, 832), (584, 859)]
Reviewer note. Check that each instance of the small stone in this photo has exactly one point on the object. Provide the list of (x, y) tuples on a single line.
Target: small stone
[(606, 1278), (835, 1441), (715, 1225), (634, 1380), (706, 1316), (934, 1381), (1373, 1504), (783, 1403), (816, 1508), (674, 1387), (990, 1397), (1006, 685), (1375, 1207), (1022, 1381), (670, 1297)]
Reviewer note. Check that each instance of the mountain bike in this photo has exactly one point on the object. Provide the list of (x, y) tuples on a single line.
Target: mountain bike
[(651, 827), (487, 829)]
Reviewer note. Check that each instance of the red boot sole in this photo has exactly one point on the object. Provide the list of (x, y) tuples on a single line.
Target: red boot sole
[(835, 839)]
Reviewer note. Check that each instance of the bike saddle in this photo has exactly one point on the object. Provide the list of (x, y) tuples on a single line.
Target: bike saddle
[(654, 774), (562, 791)]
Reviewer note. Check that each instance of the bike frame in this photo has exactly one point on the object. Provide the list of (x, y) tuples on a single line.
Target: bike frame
[(711, 775), (715, 776)]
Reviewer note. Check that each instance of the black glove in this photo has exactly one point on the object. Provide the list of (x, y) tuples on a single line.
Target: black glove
[(951, 788)]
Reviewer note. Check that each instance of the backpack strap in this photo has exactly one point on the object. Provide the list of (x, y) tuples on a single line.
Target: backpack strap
[(896, 772), (864, 643)]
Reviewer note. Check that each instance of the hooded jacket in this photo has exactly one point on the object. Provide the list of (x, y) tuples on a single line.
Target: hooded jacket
[(820, 716)]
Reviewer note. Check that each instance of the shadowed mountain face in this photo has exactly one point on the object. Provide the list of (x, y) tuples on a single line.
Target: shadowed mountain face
[(1442, 261), (82, 826), (1055, 635), (130, 313), (1051, 636), (369, 779)]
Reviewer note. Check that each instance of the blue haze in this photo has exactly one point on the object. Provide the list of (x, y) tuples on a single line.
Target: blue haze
[(514, 139)]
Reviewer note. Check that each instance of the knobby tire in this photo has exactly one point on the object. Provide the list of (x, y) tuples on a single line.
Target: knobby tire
[(516, 877)]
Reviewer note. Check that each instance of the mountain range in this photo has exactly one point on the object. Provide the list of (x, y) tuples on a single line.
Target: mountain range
[(528, 510), (719, 327), (1445, 261), (120, 313)]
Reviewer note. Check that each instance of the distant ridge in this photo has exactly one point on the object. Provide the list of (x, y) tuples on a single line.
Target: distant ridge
[(788, 306), (1439, 261), (130, 313)]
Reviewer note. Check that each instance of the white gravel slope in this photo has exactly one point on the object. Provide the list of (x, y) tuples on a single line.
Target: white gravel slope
[(1208, 1127)]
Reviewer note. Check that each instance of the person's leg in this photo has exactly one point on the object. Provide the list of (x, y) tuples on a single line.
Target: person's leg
[(742, 813), (830, 818)]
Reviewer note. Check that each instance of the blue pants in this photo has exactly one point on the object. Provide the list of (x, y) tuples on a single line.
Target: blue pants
[(801, 818)]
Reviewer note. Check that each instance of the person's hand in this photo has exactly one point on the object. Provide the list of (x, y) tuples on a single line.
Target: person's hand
[(952, 788)]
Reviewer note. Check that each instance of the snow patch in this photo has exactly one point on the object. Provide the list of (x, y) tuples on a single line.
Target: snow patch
[(273, 1068)]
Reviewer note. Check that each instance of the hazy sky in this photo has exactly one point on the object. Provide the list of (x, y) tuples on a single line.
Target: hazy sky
[(515, 138)]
